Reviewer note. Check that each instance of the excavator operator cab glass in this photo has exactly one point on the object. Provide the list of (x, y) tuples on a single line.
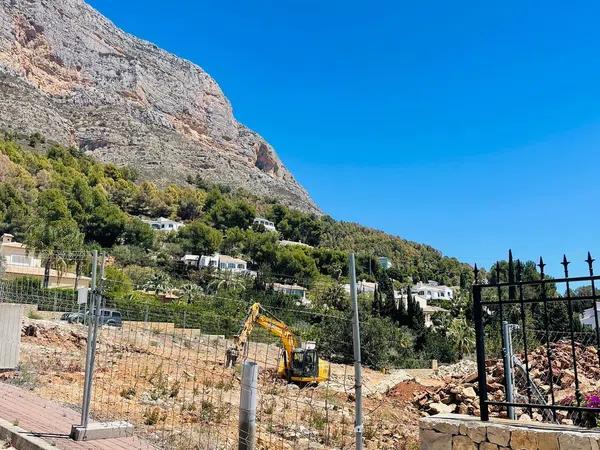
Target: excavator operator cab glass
[(298, 360), (305, 363)]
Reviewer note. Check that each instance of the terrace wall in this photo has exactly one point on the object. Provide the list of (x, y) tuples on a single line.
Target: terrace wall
[(459, 432)]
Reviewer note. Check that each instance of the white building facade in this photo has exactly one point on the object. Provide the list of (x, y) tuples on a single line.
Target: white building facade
[(292, 289), (432, 290), (163, 224), (362, 287), (589, 318), (269, 226), (19, 261), (218, 261)]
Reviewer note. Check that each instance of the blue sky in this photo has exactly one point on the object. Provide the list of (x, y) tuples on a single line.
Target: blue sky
[(470, 126)]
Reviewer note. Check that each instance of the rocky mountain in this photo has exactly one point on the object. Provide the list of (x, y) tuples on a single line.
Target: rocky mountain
[(69, 73)]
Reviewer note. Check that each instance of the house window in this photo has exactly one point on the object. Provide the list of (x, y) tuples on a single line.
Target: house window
[(441, 294), (240, 266), (20, 260)]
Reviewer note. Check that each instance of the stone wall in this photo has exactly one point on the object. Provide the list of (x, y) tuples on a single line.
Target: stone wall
[(458, 432)]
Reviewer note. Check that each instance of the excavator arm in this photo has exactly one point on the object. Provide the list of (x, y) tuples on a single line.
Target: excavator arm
[(300, 365), (276, 327)]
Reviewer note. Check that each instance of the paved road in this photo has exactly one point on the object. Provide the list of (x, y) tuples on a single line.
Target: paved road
[(52, 422)]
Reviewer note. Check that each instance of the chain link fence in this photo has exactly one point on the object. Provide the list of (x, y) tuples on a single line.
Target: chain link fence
[(163, 368)]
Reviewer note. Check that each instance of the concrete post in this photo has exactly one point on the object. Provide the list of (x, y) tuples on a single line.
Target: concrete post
[(248, 394), (10, 335)]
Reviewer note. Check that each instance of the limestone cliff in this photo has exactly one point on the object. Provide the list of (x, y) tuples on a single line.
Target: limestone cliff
[(69, 73)]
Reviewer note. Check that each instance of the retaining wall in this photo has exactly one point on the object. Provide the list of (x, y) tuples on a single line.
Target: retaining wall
[(459, 432)]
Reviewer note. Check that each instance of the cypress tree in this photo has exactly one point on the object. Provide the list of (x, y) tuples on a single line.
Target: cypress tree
[(377, 306), (416, 320)]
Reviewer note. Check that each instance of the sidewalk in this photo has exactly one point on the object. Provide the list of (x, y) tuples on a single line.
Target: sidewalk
[(52, 422)]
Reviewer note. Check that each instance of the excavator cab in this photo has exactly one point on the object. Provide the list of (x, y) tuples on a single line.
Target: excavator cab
[(305, 363)]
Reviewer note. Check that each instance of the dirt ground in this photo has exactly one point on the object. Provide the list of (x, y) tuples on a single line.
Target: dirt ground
[(172, 384)]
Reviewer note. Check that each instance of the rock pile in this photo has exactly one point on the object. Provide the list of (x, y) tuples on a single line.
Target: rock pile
[(460, 392), (456, 396), (461, 368)]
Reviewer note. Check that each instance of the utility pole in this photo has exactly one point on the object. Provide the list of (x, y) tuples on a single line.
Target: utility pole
[(358, 419)]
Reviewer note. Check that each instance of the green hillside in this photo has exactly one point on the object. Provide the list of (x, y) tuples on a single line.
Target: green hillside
[(57, 199)]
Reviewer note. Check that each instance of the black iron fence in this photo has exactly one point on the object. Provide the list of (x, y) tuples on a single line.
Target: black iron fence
[(538, 342)]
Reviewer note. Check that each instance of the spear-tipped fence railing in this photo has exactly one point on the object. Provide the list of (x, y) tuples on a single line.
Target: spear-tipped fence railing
[(557, 346)]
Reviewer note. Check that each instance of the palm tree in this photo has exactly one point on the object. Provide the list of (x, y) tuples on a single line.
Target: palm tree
[(406, 340), (227, 281), (462, 335), (159, 282), (191, 292), (53, 241)]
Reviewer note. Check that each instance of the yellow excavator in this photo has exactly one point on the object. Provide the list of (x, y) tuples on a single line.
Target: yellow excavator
[(299, 363)]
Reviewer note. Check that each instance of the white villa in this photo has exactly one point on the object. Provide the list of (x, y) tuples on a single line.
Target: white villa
[(588, 317), (218, 261), (285, 243), (20, 262), (432, 290), (421, 292), (292, 289), (163, 224), (269, 226), (428, 310), (362, 287)]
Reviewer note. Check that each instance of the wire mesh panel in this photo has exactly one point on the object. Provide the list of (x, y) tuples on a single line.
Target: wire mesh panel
[(169, 381), (52, 348), (169, 369), (167, 372)]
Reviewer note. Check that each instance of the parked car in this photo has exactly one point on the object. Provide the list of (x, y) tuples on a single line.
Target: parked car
[(65, 316), (109, 317), (76, 318)]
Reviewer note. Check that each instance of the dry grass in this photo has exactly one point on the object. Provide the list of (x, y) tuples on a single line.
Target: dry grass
[(175, 388)]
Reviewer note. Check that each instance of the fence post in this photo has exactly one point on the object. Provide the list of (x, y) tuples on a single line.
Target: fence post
[(507, 355), (85, 407), (248, 392), (358, 420), (480, 342)]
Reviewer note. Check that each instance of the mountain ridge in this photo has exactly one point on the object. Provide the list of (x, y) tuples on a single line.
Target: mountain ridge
[(70, 73)]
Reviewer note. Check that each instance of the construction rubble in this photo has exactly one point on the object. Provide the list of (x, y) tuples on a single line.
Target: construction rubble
[(460, 392)]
